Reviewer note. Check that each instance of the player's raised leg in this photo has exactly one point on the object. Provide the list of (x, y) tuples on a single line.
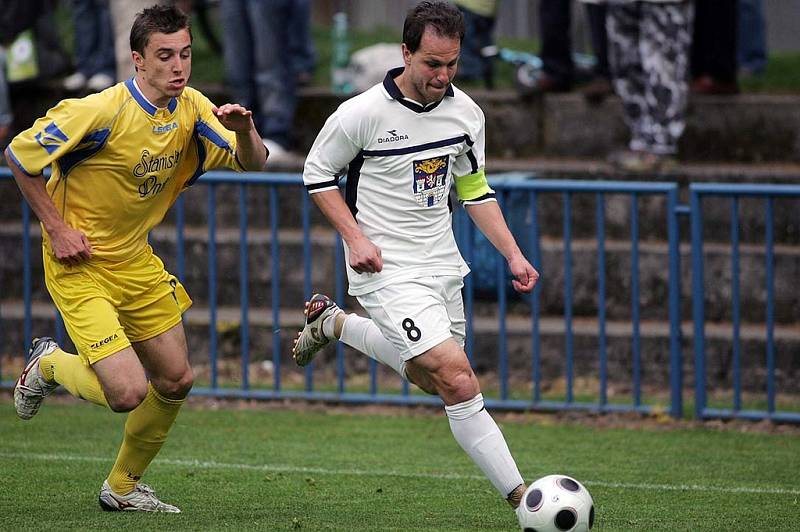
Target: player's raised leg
[(326, 322), (48, 367)]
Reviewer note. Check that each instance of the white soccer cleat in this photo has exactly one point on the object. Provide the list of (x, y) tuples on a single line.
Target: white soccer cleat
[(141, 499), (311, 339), (32, 388)]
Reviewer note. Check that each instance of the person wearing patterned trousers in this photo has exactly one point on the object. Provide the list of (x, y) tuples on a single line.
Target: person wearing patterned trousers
[(649, 51)]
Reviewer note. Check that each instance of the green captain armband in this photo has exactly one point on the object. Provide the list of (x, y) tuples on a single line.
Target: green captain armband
[(472, 186)]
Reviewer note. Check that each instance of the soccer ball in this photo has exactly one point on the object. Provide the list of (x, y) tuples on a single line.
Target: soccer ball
[(556, 503)]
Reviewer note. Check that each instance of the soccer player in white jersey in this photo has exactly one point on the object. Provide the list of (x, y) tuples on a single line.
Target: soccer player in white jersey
[(119, 160), (403, 143)]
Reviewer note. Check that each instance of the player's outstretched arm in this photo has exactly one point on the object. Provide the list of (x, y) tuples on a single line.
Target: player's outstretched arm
[(364, 256), (489, 219), (69, 245), (249, 148)]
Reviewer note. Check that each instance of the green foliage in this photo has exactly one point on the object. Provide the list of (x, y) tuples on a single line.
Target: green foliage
[(267, 469)]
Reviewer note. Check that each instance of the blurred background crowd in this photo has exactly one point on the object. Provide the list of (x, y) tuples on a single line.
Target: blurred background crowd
[(651, 53)]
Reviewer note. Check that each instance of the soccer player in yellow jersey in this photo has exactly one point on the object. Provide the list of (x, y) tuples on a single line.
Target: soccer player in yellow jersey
[(119, 159)]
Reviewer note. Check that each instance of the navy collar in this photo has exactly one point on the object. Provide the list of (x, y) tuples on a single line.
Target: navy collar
[(394, 91), (142, 101)]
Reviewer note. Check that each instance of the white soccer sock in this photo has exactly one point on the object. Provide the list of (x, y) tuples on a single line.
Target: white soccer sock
[(480, 437), (328, 325), (362, 334)]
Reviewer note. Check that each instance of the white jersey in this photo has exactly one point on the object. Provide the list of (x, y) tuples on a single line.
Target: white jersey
[(400, 158)]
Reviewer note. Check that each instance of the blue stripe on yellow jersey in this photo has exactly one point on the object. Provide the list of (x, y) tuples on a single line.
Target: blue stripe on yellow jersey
[(118, 162)]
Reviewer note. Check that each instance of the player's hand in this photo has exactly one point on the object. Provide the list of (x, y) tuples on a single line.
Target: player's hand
[(234, 117), (525, 275), (365, 257), (70, 246)]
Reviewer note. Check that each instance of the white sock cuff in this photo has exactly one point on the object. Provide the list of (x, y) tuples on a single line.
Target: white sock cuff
[(465, 410), (328, 325)]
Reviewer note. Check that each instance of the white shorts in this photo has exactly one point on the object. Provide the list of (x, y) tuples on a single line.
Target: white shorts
[(416, 315)]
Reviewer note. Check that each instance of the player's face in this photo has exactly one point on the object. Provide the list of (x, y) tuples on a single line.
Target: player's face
[(164, 69), (432, 67)]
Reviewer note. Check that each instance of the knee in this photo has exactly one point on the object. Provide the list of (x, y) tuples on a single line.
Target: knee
[(459, 385), (127, 399), (177, 386)]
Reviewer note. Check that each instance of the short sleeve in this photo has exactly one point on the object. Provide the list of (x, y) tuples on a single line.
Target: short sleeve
[(333, 149), (69, 132)]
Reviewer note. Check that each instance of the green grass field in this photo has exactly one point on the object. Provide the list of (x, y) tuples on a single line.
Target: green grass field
[(310, 468)]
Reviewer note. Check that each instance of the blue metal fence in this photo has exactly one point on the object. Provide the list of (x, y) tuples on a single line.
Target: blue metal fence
[(767, 193), (510, 188)]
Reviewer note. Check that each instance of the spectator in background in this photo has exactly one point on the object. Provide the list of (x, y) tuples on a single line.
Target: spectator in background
[(258, 66), (556, 52), (479, 18), (123, 13), (714, 47), (752, 51), (649, 45), (301, 46), (94, 41), (6, 115)]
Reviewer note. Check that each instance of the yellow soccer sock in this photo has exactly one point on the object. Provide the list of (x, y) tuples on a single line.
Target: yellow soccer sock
[(145, 432), (70, 372)]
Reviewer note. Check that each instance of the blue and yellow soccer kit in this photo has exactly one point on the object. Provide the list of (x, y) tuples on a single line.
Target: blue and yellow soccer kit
[(118, 164)]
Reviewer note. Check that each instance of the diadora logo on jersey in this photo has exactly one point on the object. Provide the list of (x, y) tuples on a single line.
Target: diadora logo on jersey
[(394, 137), (165, 128), (51, 138), (430, 178)]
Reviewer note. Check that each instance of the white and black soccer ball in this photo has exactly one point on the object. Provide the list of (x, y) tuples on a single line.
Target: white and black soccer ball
[(556, 503)]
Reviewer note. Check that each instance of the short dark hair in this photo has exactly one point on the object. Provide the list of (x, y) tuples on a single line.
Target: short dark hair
[(443, 17), (157, 19)]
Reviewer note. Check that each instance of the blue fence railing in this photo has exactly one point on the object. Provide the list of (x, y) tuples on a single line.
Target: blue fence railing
[(734, 193), (524, 200)]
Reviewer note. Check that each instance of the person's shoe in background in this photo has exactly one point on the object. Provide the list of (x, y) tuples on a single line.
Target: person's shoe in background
[(99, 82), (597, 90), (74, 82), (639, 162), (709, 85)]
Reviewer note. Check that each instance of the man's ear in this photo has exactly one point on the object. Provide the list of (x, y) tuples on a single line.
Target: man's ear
[(138, 61), (406, 54)]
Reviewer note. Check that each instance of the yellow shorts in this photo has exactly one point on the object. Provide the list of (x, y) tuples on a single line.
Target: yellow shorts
[(108, 305)]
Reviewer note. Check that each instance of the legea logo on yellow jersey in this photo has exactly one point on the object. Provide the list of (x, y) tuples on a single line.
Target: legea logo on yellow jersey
[(166, 128)]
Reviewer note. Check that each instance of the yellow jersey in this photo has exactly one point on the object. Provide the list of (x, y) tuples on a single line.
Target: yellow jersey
[(118, 162)]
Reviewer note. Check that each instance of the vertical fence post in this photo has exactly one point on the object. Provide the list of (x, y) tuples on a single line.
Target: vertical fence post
[(212, 283), (736, 310), (276, 286), (635, 303), (675, 353), (340, 274), (600, 228), (244, 288), (568, 370), (536, 251), (769, 223), (502, 307), (698, 312), (307, 272)]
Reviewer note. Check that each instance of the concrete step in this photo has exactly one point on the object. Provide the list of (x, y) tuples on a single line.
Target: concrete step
[(654, 338), (742, 128), (653, 257)]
